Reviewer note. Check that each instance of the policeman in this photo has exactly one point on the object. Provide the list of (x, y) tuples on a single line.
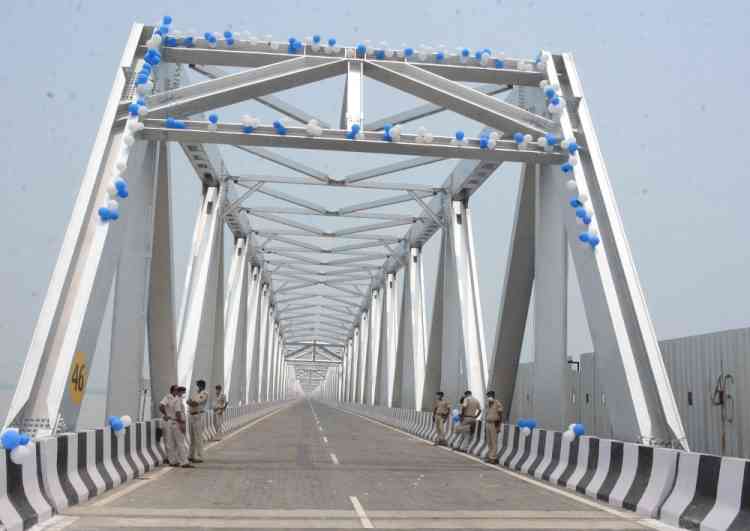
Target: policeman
[(492, 420), (178, 427), (197, 404), (165, 408), (470, 411), (441, 408), (220, 405)]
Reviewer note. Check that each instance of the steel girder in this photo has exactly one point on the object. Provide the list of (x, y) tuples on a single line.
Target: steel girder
[(236, 325)]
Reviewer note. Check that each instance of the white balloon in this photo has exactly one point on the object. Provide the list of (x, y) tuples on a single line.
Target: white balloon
[(491, 143), (583, 198), (113, 205), (19, 454), (121, 165), (140, 89), (128, 139), (485, 59), (594, 232), (396, 133), (571, 186), (526, 431), (527, 138), (541, 141), (212, 127), (421, 131), (579, 221), (428, 138), (564, 143), (494, 135), (543, 84), (419, 139), (126, 420), (120, 433), (568, 436), (573, 160), (571, 426), (589, 211), (111, 190)]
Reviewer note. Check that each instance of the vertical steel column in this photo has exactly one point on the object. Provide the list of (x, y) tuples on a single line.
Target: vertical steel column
[(389, 339), (373, 356), (200, 333), (355, 364), (468, 301), (364, 337), (253, 312), (551, 393), (351, 109), (411, 350), (262, 342), (270, 357), (235, 324), (132, 283)]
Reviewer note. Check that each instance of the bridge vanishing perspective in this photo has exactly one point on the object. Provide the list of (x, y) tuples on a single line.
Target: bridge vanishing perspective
[(329, 301)]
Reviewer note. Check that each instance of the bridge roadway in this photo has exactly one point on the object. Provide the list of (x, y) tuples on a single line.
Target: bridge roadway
[(310, 466)]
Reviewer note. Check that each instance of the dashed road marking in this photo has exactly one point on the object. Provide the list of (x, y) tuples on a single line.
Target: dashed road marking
[(334, 459), (361, 513), (325, 439)]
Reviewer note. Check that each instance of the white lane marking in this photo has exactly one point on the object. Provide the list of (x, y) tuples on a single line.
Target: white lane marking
[(55, 523), (334, 459), (320, 428), (361, 513), (119, 493), (325, 439), (576, 497)]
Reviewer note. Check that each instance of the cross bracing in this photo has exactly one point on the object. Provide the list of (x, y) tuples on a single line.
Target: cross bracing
[(326, 275)]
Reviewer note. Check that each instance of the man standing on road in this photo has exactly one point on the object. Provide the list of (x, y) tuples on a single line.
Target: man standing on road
[(470, 411), (178, 427), (441, 408), (220, 405), (492, 420), (197, 404), (167, 412)]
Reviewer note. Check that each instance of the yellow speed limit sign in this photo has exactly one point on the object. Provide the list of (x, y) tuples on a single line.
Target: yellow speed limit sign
[(79, 375)]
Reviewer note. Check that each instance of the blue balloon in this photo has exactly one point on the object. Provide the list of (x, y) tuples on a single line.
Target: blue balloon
[(408, 52), (140, 101), (24, 439), (550, 92), (440, 56), (247, 129), (567, 167), (355, 128), (478, 55), (122, 192), (459, 135), (456, 419), (227, 34), (146, 67), (572, 148), (213, 118), (361, 50), (207, 35), (114, 215), (552, 140), (465, 52), (188, 41), (103, 213), (531, 424), (111, 419), (484, 142), (133, 109), (555, 101), (579, 430), (297, 46), (518, 137), (170, 41), (230, 42), (316, 39), (575, 203), (587, 220), (10, 439), (166, 20), (331, 42), (580, 212), (164, 29), (584, 237), (594, 241), (521, 423), (499, 63), (380, 54), (117, 425)]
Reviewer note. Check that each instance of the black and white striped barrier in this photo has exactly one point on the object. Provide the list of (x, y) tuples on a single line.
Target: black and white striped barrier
[(71, 468), (690, 490)]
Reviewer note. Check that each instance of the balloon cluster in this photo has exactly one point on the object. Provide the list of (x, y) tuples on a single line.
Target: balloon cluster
[(313, 128), (249, 123), (174, 123), (423, 136), (573, 431), (391, 133), (526, 426), (488, 140), (18, 444), (355, 133), (555, 102), (118, 424), (294, 46), (213, 121), (459, 139), (279, 126)]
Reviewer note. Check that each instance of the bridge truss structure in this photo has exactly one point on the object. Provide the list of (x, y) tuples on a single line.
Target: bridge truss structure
[(341, 311)]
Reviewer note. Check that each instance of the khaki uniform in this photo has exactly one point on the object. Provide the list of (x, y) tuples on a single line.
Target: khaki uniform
[(470, 411), (220, 405), (492, 420), (441, 409), (168, 402), (196, 423), (179, 438)]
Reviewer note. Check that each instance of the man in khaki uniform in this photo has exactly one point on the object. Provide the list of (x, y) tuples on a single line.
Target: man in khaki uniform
[(220, 405), (441, 409), (197, 404), (470, 411), (492, 420), (167, 412), (178, 429)]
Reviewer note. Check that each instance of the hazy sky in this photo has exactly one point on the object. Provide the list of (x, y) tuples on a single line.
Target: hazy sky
[(667, 84)]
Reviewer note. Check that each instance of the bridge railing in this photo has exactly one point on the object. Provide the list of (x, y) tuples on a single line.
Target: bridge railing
[(684, 489), (70, 468)]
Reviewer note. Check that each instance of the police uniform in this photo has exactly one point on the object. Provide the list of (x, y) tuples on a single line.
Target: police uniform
[(197, 408), (220, 405), (441, 409), (493, 418), (470, 410), (175, 427), (168, 414)]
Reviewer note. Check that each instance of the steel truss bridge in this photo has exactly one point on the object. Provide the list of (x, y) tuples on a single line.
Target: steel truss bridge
[(340, 311)]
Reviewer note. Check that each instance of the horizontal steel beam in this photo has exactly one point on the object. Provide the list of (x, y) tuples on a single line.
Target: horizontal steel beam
[(406, 187)]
